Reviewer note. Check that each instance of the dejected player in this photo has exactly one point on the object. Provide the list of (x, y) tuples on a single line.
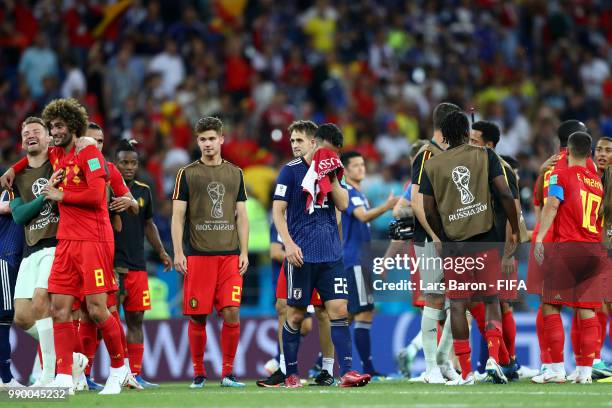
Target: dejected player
[(314, 259), (210, 232)]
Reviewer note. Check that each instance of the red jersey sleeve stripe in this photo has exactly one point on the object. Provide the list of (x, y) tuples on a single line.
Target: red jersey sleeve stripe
[(177, 184)]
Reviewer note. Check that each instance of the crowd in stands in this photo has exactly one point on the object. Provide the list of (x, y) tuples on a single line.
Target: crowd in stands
[(147, 70)]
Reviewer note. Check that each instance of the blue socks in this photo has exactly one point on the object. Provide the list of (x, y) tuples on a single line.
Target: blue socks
[(5, 353), (291, 344), (362, 341), (341, 337)]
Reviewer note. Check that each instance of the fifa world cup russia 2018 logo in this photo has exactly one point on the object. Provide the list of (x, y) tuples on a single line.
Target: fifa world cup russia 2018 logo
[(461, 178), (37, 188), (216, 191)]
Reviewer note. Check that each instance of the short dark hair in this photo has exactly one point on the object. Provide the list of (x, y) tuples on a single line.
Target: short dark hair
[(330, 133), (441, 111), (125, 145), (70, 111), (579, 144), (209, 123), (490, 131), (346, 157), (307, 127), (567, 128), (34, 119), (605, 138), (455, 128), (94, 126), (511, 161)]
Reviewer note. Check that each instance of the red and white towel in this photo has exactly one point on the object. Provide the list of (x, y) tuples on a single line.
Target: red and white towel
[(316, 183)]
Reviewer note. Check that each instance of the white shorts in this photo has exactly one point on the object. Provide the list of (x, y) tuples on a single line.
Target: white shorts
[(431, 272), (34, 273)]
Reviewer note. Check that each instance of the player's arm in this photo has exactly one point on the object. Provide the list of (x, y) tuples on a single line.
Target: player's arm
[(92, 196), (293, 252), (179, 209), (242, 222), (22, 212), (364, 215), (403, 209), (123, 200), (339, 194), (549, 212), (6, 181), (152, 234), (418, 170), (277, 253)]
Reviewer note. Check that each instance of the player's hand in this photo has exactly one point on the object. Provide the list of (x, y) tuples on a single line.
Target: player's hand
[(508, 266), (83, 142), (538, 252), (120, 204), (243, 263), (294, 254), (511, 245), (391, 201), (166, 260), (550, 163), (180, 263), (56, 178), (6, 181), (438, 245), (52, 193)]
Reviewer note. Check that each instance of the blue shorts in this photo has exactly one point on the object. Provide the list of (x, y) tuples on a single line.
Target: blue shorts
[(361, 298), (8, 279), (328, 278)]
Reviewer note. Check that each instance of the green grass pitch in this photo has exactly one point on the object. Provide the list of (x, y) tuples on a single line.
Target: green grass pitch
[(380, 394)]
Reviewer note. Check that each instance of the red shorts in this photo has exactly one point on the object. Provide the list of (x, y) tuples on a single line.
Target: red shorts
[(82, 268), (478, 278), (281, 289), (137, 297), (211, 280)]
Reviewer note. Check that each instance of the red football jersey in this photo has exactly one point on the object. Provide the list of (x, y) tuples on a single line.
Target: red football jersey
[(581, 193), (77, 222)]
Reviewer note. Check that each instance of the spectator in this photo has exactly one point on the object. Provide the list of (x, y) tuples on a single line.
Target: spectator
[(37, 62), (169, 65)]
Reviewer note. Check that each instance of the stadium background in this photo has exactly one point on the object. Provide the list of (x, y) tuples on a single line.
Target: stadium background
[(147, 70)]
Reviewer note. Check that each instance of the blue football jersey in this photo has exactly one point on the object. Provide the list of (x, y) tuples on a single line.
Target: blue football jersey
[(11, 237), (354, 232), (275, 238), (317, 233)]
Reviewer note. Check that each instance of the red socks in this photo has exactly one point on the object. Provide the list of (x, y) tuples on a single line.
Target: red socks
[(230, 335), (589, 341), (89, 338), (544, 352), (496, 346), (463, 352), (509, 332), (603, 325), (478, 313), (123, 340), (135, 356), (554, 337), (111, 332), (63, 335), (197, 345), (78, 346)]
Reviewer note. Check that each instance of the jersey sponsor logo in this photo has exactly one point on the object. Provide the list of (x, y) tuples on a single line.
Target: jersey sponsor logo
[(461, 178), (216, 192), (94, 164), (281, 190)]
